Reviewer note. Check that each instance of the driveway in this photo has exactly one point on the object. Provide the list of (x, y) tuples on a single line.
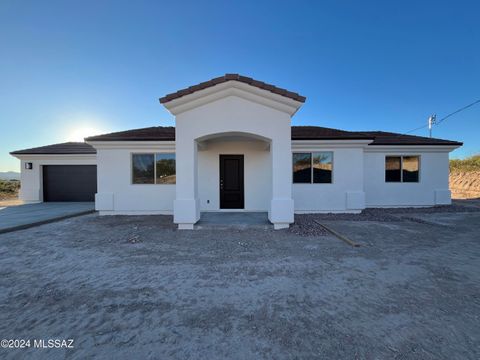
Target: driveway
[(134, 287), (27, 215)]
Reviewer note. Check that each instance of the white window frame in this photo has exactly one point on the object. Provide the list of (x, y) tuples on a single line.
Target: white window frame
[(154, 166)]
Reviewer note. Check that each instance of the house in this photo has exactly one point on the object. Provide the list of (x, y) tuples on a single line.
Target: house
[(233, 149)]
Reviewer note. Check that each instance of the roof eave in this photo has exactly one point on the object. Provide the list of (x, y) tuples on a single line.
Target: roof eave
[(233, 88)]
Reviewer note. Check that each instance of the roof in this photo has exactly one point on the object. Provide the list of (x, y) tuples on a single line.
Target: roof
[(389, 138), (154, 133), (70, 148), (322, 133), (160, 133), (232, 77)]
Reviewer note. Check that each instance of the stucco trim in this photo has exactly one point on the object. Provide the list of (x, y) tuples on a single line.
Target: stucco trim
[(38, 157), (134, 145), (410, 148), (233, 88), (299, 145)]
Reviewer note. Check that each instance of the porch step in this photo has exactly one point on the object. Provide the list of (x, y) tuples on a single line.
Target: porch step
[(233, 220)]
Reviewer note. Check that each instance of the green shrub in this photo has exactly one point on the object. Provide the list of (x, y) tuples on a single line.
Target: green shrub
[(471, 163), (9, 186)]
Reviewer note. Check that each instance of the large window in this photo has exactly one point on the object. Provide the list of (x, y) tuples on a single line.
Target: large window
[(153, 168), (402, 168), (315, 167)]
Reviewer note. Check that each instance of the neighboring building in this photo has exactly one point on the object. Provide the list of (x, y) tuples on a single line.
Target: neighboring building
[(232, 150)]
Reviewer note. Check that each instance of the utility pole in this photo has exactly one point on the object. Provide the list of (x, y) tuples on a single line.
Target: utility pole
[(431, 121)]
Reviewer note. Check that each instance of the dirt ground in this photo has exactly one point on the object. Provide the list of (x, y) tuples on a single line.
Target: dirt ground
[(134, 287), (465, 184)]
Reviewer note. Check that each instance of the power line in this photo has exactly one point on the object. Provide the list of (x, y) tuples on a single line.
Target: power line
[(457, 111), (413, 130), (444, 118)]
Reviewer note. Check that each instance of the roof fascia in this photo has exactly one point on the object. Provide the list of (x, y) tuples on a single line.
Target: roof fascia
[(55, 156), (411, 148), (299, 145), (233, 88), (133, 145)]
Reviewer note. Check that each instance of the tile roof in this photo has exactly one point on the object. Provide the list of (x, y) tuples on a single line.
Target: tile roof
[(322, 133), (154, 133), (63, 148), (160, 133), (389, 138), (232, 77)]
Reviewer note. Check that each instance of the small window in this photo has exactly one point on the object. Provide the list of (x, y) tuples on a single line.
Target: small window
[(302, 168), (165, 168), (311, 168), (322, 167), (402, 168), (153, 168)]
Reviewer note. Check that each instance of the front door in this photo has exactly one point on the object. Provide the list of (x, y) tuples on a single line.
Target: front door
[(231, 182)]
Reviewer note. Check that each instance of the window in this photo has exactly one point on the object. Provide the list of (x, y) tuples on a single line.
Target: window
[(153, 168), (410, 168), (322, 167), (393, 169), (313, 167), (302, 168), (142, 169), (402, 168), (165, 168)]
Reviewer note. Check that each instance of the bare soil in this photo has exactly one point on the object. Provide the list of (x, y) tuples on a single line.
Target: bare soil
[(135, 287), (465, 184)]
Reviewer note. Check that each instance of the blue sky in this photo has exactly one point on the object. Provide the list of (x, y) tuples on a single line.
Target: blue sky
[(69, 68)]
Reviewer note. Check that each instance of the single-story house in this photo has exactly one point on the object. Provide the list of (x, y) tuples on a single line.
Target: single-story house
[(233, 148)]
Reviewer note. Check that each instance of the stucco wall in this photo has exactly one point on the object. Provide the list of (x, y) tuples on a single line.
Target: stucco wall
[(432, 188), (257, 173), (232, 116), (116, 193), (31, 189), (345, 193)]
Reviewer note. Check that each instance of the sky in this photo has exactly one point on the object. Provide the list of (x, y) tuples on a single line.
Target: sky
[(70, 69)]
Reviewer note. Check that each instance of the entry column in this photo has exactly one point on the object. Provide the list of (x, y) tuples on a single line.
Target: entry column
[(186, 207), (281, 207)]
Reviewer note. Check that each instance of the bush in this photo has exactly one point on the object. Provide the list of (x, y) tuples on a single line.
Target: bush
[(9, 186), (471, 163)]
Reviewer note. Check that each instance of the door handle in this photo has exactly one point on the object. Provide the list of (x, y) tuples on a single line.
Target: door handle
[(221, 184)]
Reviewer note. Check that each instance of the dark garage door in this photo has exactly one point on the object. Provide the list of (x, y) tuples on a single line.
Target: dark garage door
[(69, 182)]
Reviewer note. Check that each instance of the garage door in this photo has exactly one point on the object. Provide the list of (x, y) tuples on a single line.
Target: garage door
[(69, 182)]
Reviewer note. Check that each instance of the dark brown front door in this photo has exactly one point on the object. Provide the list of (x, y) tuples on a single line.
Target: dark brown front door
[(231, 182)]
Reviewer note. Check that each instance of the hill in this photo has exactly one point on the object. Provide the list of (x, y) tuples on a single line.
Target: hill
[(465, 177), (9, 175)]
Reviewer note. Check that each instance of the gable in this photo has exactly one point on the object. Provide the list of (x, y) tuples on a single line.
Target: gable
[(268, 95)]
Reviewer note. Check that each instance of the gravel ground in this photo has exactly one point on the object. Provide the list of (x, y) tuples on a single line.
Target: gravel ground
[(306, 225), (134, 287)]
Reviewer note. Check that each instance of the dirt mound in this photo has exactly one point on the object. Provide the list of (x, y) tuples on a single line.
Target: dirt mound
[(465, 184)]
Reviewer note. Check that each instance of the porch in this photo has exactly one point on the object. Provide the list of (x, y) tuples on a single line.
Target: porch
[(233, 220)]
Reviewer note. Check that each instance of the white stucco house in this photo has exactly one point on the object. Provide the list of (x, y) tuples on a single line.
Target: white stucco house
[(233, 148)]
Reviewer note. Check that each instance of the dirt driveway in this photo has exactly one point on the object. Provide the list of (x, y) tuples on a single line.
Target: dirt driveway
[(134, 287)]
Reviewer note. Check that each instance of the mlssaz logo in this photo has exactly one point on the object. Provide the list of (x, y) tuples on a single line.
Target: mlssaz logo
[(53, 343)]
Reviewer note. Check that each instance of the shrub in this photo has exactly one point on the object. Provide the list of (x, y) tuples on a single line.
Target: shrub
[(9, 186), (471, 163)]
